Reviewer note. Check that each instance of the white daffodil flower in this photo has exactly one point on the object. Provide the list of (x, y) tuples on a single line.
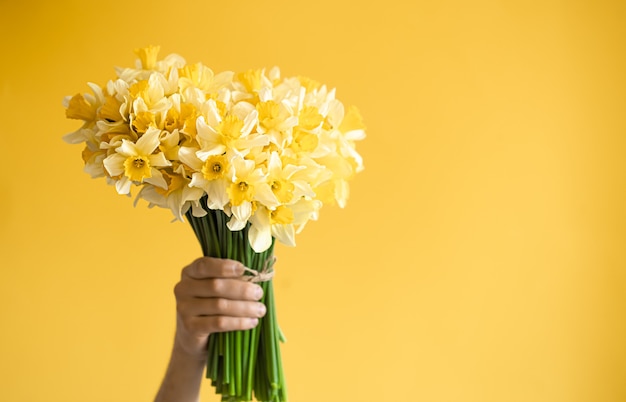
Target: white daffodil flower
[(231, 134), (212, 175), (249, 185), (266, 224), (288, 183), (178, 197), (136, 162)]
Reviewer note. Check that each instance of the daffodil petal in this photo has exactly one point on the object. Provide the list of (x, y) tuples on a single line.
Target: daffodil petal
[(253, 141), (188, 156), (191, 194), (235, 224), (216, 150), (175, 204), (342, 191), (198, 180), (149, 141), (95, 169), (159, 160), (285, 234), (265, 195), (249, 122), (197, 210), (260, 233), (114, 164), (123, 185), (275, 165), (156, 179), (213, 117), (303, 189), (217, 196), (77, 137), (260, 237), (242, 212), (128, 148)]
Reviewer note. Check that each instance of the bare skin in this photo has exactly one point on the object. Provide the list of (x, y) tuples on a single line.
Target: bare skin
[(210, 297)]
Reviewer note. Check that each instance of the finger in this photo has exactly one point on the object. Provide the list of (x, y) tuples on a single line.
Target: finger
[(204, 326), (223, 307), (233, 289), (208, 267)]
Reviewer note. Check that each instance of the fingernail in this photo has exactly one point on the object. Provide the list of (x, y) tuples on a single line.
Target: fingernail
[(258, 292), (254, 322), (262, 309)]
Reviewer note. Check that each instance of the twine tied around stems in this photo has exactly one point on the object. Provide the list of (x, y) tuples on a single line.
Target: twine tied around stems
[(264, 275)]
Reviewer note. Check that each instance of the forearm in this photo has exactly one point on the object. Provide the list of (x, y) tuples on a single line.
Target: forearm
[(210, 297), (182, 379)]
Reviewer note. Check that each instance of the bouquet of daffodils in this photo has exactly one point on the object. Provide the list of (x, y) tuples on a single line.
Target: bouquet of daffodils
[(248, 158)]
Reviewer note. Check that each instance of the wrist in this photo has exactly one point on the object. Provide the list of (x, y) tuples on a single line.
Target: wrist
[(183, 376), (190, 349)]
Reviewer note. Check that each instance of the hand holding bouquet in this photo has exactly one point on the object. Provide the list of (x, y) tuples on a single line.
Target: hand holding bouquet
[(248, 158)]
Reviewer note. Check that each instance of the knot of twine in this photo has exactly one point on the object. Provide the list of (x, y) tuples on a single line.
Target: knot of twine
[(264, 274)]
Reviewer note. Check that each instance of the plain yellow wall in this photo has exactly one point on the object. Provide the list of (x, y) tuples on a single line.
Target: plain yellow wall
[(482, 253)]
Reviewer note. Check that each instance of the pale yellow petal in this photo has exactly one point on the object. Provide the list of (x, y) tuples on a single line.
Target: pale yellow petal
[(156, 179), (148, 142), (284, 234), (114, 164), (159, 160)]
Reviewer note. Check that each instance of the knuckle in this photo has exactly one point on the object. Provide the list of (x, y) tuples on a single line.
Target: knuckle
[(178, 290), (187, 270), (221, 323), (193, 269), (222, 305), (215, 286)]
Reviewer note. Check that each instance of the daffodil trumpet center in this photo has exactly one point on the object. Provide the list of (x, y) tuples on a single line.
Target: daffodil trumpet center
[(137, 168), (240, 192), (283, 190), (231, 126), (281, 215), (174, 182), (215, 167)]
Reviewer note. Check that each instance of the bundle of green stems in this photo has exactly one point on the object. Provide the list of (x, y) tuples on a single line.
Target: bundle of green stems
[(242, 363)]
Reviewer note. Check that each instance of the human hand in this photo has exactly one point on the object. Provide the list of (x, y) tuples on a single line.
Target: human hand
[(212, 297)]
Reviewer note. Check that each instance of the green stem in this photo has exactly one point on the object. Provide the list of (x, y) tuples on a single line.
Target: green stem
[(238, 363), (232, 361), (227, 378), (272, 340), (246, 363)]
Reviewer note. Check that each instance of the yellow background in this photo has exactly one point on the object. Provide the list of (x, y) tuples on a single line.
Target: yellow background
[(482, 253)]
